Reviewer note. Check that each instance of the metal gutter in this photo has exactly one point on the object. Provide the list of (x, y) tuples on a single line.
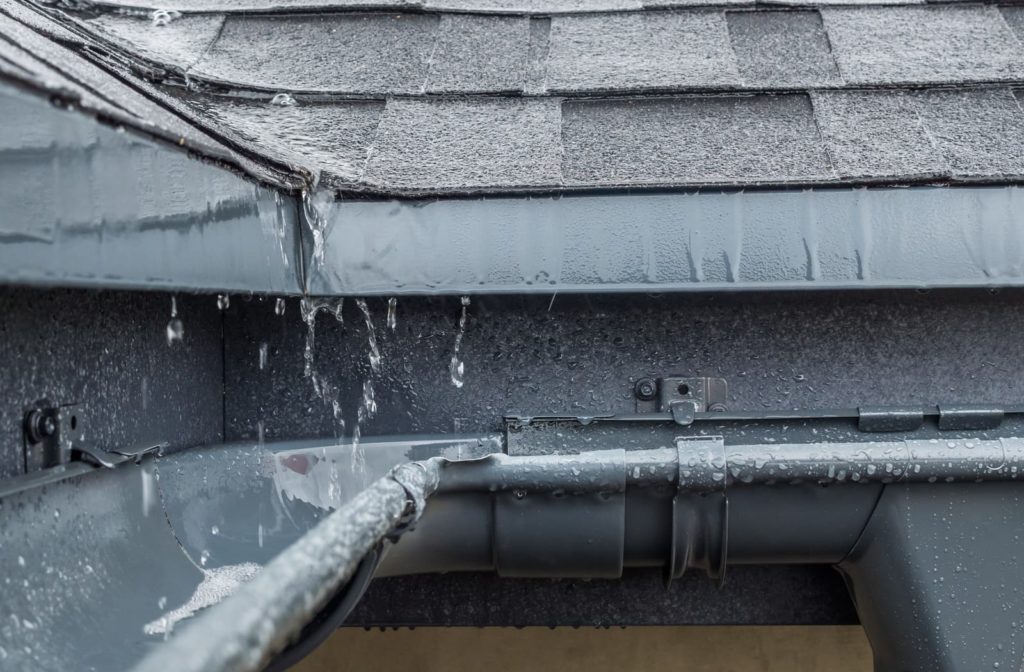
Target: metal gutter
[(92, 205), (700, 504), (839, 238)]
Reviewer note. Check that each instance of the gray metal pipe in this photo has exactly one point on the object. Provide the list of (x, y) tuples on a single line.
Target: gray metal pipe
[(707, 463)]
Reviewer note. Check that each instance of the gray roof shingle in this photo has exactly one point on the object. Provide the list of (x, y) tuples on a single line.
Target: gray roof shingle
[(979, 132), (466, 144), (496, 96), (876, 134), (179, 44), (693, 139), (782, 49), (328, 139), (477, 53), (369, 54), (640, 51), (920, 45)]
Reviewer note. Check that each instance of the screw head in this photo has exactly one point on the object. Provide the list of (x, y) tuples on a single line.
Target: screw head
[(645, 389), (39, 425), (47, 426)]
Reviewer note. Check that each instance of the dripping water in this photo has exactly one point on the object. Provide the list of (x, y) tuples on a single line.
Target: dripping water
[(457, 368), (317, 225), (322, 386), (175, 327), (368, 401), (392, 313)]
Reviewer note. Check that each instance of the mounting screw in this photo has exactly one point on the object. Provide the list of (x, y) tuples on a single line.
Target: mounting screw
[(645, 389), (39, 425), (718, 407)]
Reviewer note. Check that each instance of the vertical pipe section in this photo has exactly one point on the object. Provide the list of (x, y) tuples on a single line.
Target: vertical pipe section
[(245, 631)]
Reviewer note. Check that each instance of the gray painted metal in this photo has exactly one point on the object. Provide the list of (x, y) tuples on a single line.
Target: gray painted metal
[(811, 239), (91, 205), (935, 578), (556, 515), (246, 630)]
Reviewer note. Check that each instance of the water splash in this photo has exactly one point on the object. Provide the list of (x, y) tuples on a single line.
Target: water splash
[(392, 320), (264, 349), (457, 368), (175, 327), (161, 17), (223, 302), (284, 100), (218, 583)]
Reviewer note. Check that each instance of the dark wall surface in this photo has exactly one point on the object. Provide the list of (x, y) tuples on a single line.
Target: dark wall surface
[(108, 352), (581, 355)]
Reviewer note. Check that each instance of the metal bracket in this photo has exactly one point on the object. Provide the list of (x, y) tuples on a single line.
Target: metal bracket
[(52, 436), (110, 458), (48, 432), (681, 396)]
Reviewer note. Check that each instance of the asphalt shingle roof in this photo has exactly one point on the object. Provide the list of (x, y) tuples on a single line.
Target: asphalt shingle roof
[(471, 96)]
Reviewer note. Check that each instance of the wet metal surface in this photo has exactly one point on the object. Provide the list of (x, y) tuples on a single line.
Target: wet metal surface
[(810, 239), (86, 204), (132, 550)]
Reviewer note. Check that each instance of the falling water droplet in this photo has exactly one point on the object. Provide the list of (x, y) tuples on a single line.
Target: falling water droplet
[(263, 355), (223, 301), (457, 368), (214, 530), (283, 99), (259, 534), (21, 561), (175, 327), (204, 557), (392, 313), (279, 307), (162, 602), (175, 331)]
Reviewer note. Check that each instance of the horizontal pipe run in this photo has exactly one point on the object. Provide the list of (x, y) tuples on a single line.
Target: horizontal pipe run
[(707, 463)]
